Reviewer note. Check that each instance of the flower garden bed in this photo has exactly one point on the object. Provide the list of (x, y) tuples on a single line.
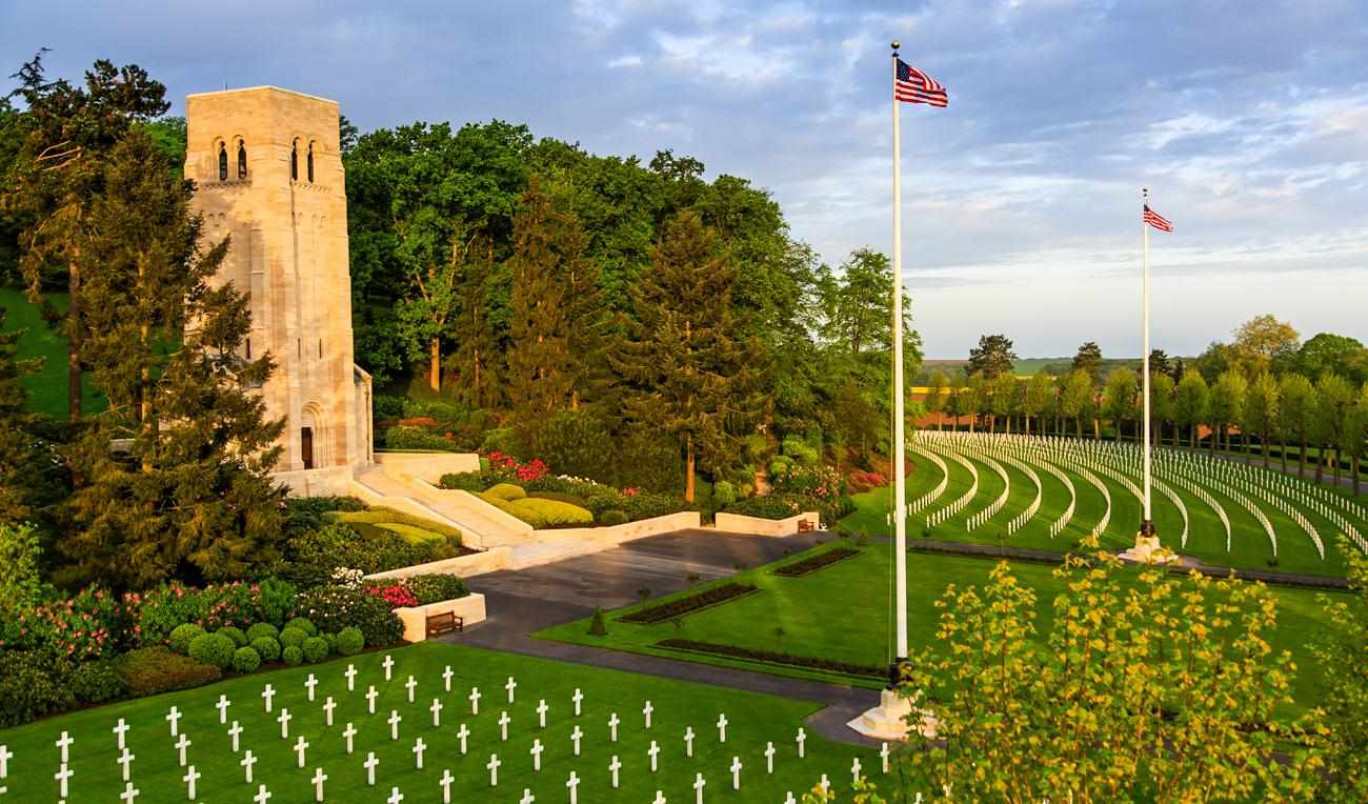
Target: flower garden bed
[(816, 563), (689, 604), (774, 657)]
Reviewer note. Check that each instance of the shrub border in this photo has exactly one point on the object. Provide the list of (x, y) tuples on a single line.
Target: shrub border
[(689, 604), (773, 657), (817, 563)]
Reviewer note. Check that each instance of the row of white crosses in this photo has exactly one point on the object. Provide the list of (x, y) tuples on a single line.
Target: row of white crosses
[(982, 518), (934, 494), (953, 509)]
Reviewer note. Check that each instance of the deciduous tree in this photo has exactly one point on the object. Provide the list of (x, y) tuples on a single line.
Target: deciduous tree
[(1190, 403), (1261, 411)]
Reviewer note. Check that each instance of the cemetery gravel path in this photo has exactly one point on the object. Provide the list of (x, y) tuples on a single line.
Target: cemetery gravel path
[(522, 602)]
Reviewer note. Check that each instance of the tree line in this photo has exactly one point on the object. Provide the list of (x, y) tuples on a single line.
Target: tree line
[(1261, 395)]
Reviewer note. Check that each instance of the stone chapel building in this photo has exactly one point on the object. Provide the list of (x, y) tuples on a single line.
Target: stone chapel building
[(268, 171)]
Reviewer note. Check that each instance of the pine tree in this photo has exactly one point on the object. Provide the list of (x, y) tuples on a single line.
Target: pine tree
[(173, 477), (20, 460), (686, 371)]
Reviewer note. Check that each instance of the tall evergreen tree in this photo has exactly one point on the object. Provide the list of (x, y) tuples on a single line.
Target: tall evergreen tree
[(1089, 359), (687, 373), (20, 460), (173, 477), (993, 356)]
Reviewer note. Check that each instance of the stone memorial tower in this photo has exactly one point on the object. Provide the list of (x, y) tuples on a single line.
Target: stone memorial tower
[(268, 172)]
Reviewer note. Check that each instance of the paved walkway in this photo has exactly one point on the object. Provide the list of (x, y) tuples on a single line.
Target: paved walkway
[(522, 602)]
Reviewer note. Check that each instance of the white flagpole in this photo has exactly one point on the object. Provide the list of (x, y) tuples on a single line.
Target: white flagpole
[(1147, 526), (899, 458)]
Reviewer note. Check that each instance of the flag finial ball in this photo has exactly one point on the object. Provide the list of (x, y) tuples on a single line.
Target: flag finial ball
[(896, 44)]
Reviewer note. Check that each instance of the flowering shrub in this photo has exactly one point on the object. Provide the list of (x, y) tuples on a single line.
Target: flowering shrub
[(160, 610), (504, 468), (91, 625), (333, 608), (395, 594), (864, 481)]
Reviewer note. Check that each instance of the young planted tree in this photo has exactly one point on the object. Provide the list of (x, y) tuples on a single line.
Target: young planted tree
[(974, 398), (1076, 399), (936, 397), (1357, 437), (992, 357), (687, 374), (1004, 399), (1225, 408), (1261, 411), (1344, 701), (1190, 403), (1162, 406), (1296, 415), (1119, 398), (1037, 398), (1334, 416)]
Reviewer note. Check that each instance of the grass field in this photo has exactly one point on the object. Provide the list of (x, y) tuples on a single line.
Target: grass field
[(842, 613), (47, 389), (753, 720), (1249, 547)]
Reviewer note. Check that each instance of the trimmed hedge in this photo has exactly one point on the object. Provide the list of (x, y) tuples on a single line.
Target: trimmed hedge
[(507, 492), (154, 670), (690, 604), (215, 649), (820, 561), (181, 637), (292, 637), (350, 641), (543, 513), (472, 482), (303, 624), (268, 648), (293, 656), (775, 657), (246, 660), (315, 650), (262, 630)]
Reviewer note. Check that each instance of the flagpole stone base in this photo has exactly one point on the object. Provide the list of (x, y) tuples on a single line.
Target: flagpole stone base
[(1148, 550), (888, 720)]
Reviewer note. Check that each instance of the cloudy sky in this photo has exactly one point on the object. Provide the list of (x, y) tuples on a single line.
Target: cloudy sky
[(1247, 118)]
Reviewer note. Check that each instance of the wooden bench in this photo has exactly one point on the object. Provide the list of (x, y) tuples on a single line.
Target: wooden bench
[(444, 623), (805, 526)]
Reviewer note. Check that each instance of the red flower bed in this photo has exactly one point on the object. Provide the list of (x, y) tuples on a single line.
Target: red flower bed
[(397, 595)]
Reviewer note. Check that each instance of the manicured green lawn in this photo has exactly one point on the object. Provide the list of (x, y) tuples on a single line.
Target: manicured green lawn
[(47, 389), (754, 720), (842, 613)]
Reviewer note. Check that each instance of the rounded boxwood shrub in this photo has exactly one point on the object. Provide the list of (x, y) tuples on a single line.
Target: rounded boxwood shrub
[(268, 648), (238, 636), (315, 650), (506, 492), (333, 608), (614, 517), (260, 630), (212, 649), (293, 656), (331, 639), (181, 637), (303, 624), (350, 641), (292, 637), (246, 660)]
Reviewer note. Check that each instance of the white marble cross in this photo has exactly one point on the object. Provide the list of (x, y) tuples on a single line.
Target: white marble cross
[(284, 721), (613, 768), (235, 731), (503, 725), (493, 768), (688, 741), (511, 686), (369, 765), (222, 706), (419, 747), (351, 677), (698, 785), (573, 784), (328, 707), (62, 775), (394, 721), (575, 735), (612, 726), (527, 797), (461, 734), (447, 675), (395, 796), (660, 797), (436, 710), (647, 710), (300, 747), (191, 776), (883, 755), (542, 709), (824, 783), (119, 732), (537, 749), (267, 695), (126, 760), (769, 758), (173, 717), (6, 755), (318, 779), (371, 695), (653, 752), (247, 762), (855, 771), (182, 744), (130, 793), (578, 698), (310, 684), (388, 664), (411, 685), (789, 799), (802, 738), (446, 782), (349, 732), (736, 773), (475, 700), (64, 745), (722, 728), (263, 795)]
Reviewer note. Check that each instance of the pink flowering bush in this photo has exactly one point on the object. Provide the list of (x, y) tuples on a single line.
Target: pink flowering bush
[(91, 625)]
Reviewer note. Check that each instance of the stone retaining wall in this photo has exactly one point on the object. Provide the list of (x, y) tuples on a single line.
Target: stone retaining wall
[(471, 608), (612, 535), (491, 560), (755, 526)]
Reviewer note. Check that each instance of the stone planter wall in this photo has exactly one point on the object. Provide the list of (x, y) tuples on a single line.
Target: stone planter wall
[(755, 526), (613, 535), (471, 608), (491, 560)]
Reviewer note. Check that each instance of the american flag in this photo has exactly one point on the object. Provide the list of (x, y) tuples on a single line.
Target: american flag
[(1157, 221), (914, 86)]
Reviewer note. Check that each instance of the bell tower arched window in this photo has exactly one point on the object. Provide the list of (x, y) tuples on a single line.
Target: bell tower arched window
[(223, 162), (242, 161), (308, 159), (294, 162)]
